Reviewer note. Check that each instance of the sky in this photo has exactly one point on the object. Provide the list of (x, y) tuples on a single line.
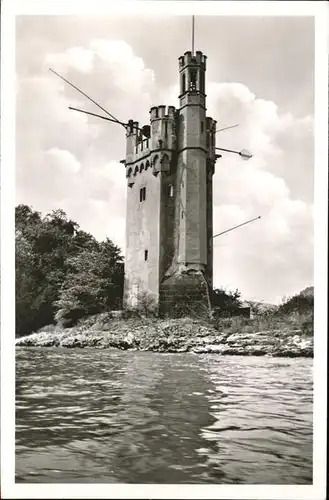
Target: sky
[(260, 74)]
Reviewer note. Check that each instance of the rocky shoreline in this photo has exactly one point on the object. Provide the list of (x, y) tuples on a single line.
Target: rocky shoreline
[(172, 336)]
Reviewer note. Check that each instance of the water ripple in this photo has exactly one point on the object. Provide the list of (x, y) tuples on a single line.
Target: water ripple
[(107, 416)]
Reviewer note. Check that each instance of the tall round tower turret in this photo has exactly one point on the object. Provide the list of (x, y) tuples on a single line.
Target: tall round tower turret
[(188, 280), (192, 163)]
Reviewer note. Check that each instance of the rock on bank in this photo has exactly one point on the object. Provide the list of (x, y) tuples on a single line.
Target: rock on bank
[(171, 336)]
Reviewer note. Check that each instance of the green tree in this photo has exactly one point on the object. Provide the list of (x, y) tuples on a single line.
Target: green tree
[(49, 239), (27, 311), (94, 283), (54, 255)]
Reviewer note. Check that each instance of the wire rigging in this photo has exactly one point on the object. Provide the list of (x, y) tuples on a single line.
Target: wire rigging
[(88, 97), (235, 227), (226, 128)]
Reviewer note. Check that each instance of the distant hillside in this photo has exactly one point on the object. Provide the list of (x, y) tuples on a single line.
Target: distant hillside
[(297, 302), (258, 306)]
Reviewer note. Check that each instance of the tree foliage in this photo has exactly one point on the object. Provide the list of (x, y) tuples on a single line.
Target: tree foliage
[(297, 304), (226, 299), (62, 272), (93, 283)]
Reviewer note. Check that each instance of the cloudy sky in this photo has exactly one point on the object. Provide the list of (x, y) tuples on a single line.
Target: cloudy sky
[(259, 75)]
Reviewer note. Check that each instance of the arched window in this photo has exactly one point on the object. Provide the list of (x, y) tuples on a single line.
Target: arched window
[(147, 164), (129, 172), (193, 79), (141, 167), (136, 170), (156, 162)]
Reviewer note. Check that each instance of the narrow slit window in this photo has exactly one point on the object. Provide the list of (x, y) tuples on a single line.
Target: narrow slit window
[(202, 126), (202, 82), (170, 190), (166, 129), (142, 194), (146, 254), (183, 82)]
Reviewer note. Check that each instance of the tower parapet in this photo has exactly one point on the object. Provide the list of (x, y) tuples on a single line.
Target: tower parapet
[(130, 142), (188, 59), (163, 128), (155, 147)]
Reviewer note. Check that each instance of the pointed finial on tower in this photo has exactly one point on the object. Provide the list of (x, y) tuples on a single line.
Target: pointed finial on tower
[(192, 35)]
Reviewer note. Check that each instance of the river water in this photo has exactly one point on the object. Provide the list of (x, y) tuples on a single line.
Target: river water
[(107, 416)]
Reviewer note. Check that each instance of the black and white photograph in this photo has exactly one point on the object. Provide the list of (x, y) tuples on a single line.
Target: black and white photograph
[(163, 259)]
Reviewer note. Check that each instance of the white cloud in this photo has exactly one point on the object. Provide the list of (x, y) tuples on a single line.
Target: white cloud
[(125, 70), (64, 161), (265, 257), (76, 57)]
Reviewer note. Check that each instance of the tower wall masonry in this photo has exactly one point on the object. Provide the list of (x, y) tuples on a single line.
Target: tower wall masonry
[(169, 200)]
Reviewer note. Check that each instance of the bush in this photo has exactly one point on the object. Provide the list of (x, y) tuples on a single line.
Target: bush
[(226, 299), (297, 304)]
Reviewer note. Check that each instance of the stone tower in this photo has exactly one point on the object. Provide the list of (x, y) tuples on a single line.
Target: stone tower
[(169, 168)]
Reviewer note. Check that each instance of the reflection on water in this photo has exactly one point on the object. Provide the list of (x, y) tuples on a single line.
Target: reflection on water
[(86, 415)]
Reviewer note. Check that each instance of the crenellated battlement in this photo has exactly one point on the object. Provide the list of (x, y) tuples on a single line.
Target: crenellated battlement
[(142, 146), (132, 128), (158, 112), (188, 59), (211, 124), (151, 145), (159, 135)]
